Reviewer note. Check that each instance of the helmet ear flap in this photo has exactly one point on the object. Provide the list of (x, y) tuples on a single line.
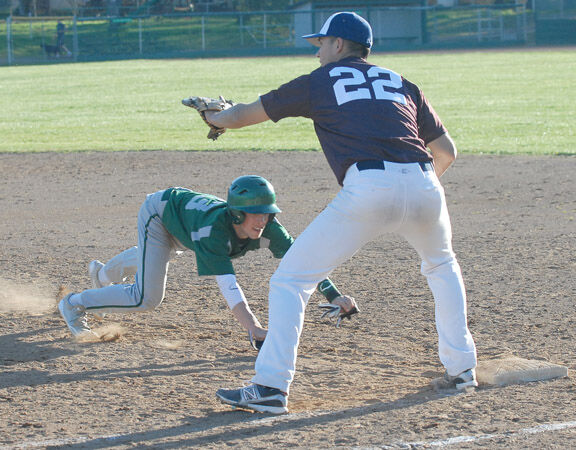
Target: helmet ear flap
[(238, 216), (271, 217)]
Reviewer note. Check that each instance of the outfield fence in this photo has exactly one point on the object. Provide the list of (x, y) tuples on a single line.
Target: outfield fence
[(29, 40)]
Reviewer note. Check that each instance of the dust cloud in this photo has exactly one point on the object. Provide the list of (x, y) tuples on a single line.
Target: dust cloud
[(33, 298)]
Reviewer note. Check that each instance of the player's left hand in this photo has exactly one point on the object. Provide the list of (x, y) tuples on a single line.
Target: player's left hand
[(342, 307), (205, 104)]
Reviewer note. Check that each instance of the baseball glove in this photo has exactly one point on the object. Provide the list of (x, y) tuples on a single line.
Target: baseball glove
[(203, 104), (333, 311), (255, 343)]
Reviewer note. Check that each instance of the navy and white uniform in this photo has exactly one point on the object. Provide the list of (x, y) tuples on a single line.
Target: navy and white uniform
[(373, 126)]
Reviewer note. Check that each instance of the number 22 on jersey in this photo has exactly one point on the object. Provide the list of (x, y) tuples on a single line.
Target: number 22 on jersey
[(348, 89)]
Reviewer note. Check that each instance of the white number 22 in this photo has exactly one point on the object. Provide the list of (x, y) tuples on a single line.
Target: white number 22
[(390, 79)]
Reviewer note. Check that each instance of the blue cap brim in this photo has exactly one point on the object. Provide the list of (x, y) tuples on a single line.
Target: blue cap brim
[(313, 38)]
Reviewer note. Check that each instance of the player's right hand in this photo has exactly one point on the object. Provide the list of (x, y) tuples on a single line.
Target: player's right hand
[(256, 337), (342, 307), (346, 303)]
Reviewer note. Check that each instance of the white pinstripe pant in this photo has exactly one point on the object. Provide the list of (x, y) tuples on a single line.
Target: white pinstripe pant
[(149, 261)]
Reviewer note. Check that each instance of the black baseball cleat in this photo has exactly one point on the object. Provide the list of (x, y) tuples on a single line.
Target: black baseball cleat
[(255, 398)]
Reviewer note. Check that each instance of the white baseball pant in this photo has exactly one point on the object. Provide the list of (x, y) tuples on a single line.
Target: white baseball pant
[(149, 261), (403, 199)]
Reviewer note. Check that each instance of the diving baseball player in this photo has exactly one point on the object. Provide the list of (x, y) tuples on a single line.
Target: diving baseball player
[(387, 147), (218, 231)]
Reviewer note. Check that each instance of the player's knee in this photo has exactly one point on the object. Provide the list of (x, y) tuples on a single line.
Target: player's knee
[(290, 287), (151, 302), (283, 280), (147, 300), (447, 263)]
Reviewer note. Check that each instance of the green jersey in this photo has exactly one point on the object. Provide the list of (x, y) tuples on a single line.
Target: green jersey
[(201, 222)]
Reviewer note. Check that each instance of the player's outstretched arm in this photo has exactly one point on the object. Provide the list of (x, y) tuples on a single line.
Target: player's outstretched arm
[(239, 116), (444, 153), (238, 304), (249, 321)]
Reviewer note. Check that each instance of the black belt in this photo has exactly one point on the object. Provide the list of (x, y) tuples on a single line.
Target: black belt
[(379, 165)]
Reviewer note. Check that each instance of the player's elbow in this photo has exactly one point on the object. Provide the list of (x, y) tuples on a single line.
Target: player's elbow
[(453, 150), (443, 152), (444, 148)]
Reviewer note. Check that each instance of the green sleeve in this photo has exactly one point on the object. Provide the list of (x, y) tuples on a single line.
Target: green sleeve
[(328, 289), (278, 237)]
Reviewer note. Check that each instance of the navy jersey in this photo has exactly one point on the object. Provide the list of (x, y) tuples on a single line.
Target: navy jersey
[(360, 112)]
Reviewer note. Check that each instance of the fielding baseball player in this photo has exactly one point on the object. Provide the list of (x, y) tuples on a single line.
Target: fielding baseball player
[(387, 148), (177, 219)]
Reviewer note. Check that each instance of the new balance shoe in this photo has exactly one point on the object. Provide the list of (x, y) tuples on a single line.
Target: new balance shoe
[(75, 317), (463, 380), (94, 269), (256, 398)]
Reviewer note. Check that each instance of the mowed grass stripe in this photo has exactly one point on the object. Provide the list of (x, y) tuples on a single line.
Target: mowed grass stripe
[(491, 101)]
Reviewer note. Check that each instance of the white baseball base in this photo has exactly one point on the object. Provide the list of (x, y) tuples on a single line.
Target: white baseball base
[(513, 370)]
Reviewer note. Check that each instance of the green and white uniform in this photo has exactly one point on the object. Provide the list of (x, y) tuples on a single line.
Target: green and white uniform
[(201, 223), (169, 222)]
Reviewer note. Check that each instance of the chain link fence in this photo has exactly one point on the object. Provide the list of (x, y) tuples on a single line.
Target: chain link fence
[(28, 40)]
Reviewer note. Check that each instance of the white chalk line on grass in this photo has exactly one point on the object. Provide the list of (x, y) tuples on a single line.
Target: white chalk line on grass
[(548, 427)]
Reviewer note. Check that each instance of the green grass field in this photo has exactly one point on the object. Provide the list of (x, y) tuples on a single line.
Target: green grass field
[(491, 102)]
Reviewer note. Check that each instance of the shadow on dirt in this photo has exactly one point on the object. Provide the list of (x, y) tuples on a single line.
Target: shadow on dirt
[(22, 378), (17, 348), (223, 427)]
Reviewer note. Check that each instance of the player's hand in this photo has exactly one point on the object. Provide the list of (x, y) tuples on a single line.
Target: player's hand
[(209, 115), (342, 307), (346, 303), (206, 105), (256, 337)]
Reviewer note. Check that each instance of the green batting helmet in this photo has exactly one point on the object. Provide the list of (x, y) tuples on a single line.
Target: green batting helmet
[(251, 194)]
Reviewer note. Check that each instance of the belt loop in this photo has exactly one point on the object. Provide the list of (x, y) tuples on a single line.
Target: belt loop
[(370, 164), (426, 166)]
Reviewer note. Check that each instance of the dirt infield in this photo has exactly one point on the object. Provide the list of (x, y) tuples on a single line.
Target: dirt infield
[(367, 384)]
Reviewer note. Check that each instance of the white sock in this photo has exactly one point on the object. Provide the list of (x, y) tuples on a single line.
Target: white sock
[(104, 280)]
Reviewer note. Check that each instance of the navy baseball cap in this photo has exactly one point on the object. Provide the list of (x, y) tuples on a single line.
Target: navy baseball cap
[(345, 25)]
